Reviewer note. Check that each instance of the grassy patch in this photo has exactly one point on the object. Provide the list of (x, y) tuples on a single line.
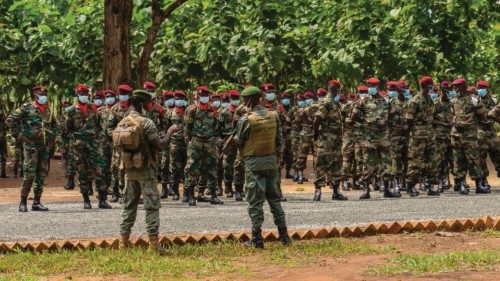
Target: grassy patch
[(186, 262), (424, 264), (491, 233)]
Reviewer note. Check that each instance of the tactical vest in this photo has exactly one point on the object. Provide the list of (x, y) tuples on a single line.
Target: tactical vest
[(262, 139)]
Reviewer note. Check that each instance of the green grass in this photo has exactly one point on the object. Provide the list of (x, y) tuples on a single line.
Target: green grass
[(426, 264), (491, 233), (186, 262)]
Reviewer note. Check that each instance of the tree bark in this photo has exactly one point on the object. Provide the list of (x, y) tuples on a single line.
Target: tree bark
[(158, 17), (117, 18)]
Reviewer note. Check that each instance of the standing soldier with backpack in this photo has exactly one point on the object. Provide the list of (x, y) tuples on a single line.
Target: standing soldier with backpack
[(137, 140)]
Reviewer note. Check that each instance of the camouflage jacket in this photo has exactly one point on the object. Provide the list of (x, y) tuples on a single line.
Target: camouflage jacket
[(81, 122), (157, 114), (420, 112), (346, 111), (494, 114), (292, 118), (487, 125), (374, 112), (103, 115), (306, 117), (442, 118), (176, 117), (467, 113), (200, 121), (225, 121), (33, 126), (397, 111), (329, 114), (116, 114)]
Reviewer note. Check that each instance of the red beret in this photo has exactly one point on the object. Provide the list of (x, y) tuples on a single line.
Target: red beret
[(234, 93), (82, 88), (426, 80), (342, 98), (352, 96), (149, 85), (167, 93), (322, 92), (362, 89), (459, 82), (202, 89), (124, 88), (108, 92), (179, 93), (471, 89), (309, 95), (98, 94), (286, 95), (39, 89), (300, 96), (266, 87), (215, 96), (334, 83), (445, 85), (402, 84), (392, 85), (383, 93), (483, 83), (373, 81)]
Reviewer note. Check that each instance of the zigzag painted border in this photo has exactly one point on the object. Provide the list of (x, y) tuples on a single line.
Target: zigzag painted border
[(300, 234)]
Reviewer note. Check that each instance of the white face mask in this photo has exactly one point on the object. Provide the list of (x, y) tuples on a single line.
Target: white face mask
[(270, 96), (216, 103), (169, 103), (204, 100), (98, 102), (180, 103), (235, 102), (123, 97), (226, 104), (110, 100), (42, 99), (67, 108), (83, 99)]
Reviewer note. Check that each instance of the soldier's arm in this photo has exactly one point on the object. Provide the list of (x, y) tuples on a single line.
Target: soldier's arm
[(112, 123), (318, 118), (410, 114), (494, 113), (14, 120), (242, 132), (188, 123), (357, 111), (279, 135)]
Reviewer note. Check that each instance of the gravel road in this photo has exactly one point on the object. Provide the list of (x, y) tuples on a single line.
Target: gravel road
[(68, 220)]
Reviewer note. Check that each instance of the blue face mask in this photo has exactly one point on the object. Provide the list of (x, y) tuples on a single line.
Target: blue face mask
[(270, 96), (372, 91), (83, 99), (179, 103), (204, 100), (216, 103), (482, 92), (226, 104), (110, 100), (123, 97), (98, 102), (235, 102), (433, 95), (42, 99), (309, 101), (392, 94), (169, 103), (336, 98), (362, 95), (301, 103), (285, 102), (452, 94), (407, 94)]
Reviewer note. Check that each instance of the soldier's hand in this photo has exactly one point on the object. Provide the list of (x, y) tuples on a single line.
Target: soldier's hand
[(173, 129)]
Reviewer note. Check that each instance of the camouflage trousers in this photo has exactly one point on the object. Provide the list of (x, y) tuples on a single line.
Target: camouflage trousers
[(422, 161), (295, 140), (151, 198), (117, 174), (3, 151), (306, 148), (67, 158), (165, 165), (466, 155), (239, 170), (287, 153), (105, 154), (36, 156), (18, 155), (201, 155), (399, 156), (328, 166), (348, 155), (376, 160), (358, 156), (262, 186), (228, 161), (88, 164), (178, 158), (489, 145), (444, 155)]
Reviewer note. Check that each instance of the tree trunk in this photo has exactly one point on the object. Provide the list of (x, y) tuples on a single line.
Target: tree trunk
[(158, 17), (117, 18)]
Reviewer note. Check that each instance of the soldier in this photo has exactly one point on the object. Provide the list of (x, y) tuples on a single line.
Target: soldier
[(65, 144), (359, 136), (374, 112), (216, 100), (200, 131), (116, 114), (239, 165), (494, 114), (348, 143), (306, 117), (422, 160), (258, 135), (178, 154), (296, 126), (488, 140), (168, 102), (140, 178), (33, 121), (287, 154), (3, 141), (467, 113), (105, 142), (397, 133), (226, 128), (442, 126), (327, 128), (81, 123)]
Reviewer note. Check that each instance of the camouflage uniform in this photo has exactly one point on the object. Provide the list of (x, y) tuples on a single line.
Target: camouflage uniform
[(65, 144), (296, 126), (348, 143), (165, 170), (3, 142), (157, 114), (200, 130), (226, 128), (306, 134), (36, 130), (398, 139), (116, 114), (178, 153), (442, 126), (488, 140), (239, 165), (287, 153), (105, 143), (494, 113)]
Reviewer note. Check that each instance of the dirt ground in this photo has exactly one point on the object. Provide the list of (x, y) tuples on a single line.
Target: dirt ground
[(54, 184)]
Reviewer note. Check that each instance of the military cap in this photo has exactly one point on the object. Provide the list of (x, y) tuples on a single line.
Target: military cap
[(334, 83), (352, 96), (459, 82), (362, 89), (309, 95), (392, 85), (179, 93), (167, 93), (82, 88), (426, 80), (321, 91), (402, 84), (482, 83), (286, 94), (267, 87), (149, 85), (471, 90), (202, 89), (39, 89), (234, 93), (215, 96), (124, 88), (141, 94), (98, 94), (373, 81), (250, 91), (445, 85), (108, 92)]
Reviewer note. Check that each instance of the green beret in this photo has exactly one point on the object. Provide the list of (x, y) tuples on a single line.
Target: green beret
[(250, 91), (141, 94)]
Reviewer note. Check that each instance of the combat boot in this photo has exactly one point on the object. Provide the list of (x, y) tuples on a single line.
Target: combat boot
[(37, 206), (191, 199), (376, 184), (175, 191), (283, 237), (102, 200), (91, 189), (300, 179), (485, 183), (164, 190), (23, 205), (125, 242), (481, 188), (214, 200), (464, 187), (238, 196), (402, 184), (185, 195), (387, 191), (366, 191), (431, 191), (346, 185), (421, 185), (356, 184), (154, 246), (295, 176), (317, 194), (219, 188), (86, 201), (336, 195), (70, 184), (441, 185), (412, 190), (229, 189), (456, 186), (257, 241)]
